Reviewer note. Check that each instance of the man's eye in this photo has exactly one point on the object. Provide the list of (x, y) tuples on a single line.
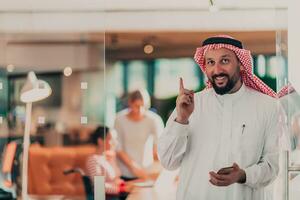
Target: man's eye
[(210, 62), (225, 61)]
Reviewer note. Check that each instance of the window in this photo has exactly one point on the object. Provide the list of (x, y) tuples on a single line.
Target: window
[(137, 75), (168, 72)]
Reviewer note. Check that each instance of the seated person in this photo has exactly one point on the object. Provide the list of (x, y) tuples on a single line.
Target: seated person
[(103, 163)]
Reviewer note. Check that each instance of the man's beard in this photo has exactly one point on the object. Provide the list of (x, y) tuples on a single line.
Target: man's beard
[(231, 82)]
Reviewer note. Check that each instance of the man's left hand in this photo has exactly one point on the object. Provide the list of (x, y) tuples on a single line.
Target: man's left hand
[(237, 175)]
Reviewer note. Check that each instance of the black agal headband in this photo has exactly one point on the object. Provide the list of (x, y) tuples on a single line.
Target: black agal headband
[(222, 40)]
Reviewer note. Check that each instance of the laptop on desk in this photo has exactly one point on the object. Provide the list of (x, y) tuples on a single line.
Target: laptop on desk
[(164, 180)]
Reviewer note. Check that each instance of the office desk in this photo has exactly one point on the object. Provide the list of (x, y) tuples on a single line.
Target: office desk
[(151, 193), (54, 197)]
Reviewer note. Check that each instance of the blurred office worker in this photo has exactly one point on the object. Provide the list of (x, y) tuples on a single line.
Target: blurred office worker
[(224, 138), (103, 163), (134, 126)]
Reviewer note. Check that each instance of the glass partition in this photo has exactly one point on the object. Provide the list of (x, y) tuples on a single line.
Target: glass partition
[(64, 48), (289, 103)]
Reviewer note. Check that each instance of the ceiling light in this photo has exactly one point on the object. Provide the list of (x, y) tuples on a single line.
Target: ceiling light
[(10, 68), (148, 48), (68, 71)]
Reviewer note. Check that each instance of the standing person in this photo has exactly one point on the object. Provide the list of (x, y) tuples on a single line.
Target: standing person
[(134, 126), (224, 138)]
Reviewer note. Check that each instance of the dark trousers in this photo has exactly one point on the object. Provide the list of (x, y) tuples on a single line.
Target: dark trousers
[(125, 178), (121, 196)]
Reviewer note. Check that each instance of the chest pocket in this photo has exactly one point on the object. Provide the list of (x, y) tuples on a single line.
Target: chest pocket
[(248, 141)]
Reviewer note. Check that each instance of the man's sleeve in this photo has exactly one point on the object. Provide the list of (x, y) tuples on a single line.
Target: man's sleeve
[(266, 170), (172, 143)]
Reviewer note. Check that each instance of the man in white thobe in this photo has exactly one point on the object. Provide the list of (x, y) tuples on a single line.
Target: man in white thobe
[(232, 124)]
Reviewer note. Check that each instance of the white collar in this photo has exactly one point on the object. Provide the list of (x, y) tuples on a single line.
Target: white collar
[(232, 96)]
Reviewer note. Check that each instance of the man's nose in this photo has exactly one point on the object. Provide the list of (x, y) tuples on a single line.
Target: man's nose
[(218, 69)]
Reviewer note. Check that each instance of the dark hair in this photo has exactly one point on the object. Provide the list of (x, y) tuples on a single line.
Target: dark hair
[(140, 95), (135, 95), (99, 132)]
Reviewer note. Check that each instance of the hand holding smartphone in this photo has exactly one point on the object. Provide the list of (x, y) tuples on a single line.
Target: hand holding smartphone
[(225, 170)]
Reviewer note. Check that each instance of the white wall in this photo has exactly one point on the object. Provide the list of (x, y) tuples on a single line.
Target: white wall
[(52, 57), (294, 43)]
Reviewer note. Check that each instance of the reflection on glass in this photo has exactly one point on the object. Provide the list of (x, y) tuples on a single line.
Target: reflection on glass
[(261, 65), (294, 182), (62, 124), (115, 78), (137, 72), (168, 72), (289, 103)]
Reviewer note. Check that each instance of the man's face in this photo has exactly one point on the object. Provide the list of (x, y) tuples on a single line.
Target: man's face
[(223, 70), (136, 106)]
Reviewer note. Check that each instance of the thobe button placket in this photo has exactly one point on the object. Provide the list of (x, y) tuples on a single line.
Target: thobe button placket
[(225, 149)]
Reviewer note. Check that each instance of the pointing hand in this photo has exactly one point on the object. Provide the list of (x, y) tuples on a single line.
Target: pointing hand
[(184, 104)]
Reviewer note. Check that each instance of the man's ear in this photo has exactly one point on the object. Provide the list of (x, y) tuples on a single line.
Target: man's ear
[(242, 68)]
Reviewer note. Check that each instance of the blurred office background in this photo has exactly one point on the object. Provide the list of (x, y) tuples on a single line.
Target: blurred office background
[(93, 53)]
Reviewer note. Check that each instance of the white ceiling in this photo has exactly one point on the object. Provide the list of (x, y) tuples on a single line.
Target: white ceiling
[(75, 20), (191, 4), (34, 16), (110, 5), (53, 5)]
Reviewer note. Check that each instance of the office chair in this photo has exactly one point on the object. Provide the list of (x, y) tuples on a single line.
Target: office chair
[(86, 182), (88, 186)]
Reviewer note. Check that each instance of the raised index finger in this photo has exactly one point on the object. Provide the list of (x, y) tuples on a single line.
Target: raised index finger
[(181, 86)]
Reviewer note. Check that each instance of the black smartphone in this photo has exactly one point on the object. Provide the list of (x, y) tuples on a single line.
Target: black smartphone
[(225, 170)]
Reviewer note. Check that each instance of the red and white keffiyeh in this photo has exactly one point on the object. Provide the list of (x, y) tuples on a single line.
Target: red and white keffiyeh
[(248, 77)]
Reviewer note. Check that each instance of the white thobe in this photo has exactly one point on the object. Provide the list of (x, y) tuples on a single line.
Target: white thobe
[(223, 129)]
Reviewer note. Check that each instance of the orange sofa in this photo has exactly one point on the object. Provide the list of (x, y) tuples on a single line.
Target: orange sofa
[(46, 166)]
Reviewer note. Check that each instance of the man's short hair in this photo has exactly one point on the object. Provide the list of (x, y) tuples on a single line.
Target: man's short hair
[(135, 95), (140, 95), (100, 132)]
